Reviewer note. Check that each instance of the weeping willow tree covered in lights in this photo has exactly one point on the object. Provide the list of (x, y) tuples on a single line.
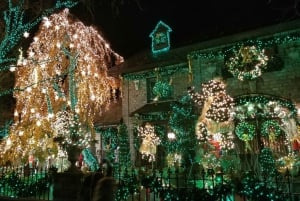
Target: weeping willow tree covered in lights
[(63, 73)]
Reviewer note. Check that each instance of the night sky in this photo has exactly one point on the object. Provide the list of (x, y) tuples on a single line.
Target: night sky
[(127, 29)]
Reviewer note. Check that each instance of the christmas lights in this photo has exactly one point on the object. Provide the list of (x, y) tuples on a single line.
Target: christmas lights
[(248, 63), (65, 67)]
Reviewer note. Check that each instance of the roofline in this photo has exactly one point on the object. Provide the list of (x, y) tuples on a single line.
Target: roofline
[(215, 43)]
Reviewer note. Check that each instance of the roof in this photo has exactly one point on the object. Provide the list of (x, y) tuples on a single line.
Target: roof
[(154, 107), (145, 60), (111, 116)]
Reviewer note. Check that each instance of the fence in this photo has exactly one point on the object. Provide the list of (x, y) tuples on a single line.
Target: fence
[(25, 182), (19, 183), (173, 185)]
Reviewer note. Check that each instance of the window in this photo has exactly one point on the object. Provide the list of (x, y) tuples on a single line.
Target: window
[(166, 88)]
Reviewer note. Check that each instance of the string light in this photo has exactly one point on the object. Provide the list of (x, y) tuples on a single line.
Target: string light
[(248, 63), (149, 141), (50, 80)]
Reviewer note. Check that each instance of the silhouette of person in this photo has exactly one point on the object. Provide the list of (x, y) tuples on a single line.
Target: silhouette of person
[(88, 185), (106, 187)]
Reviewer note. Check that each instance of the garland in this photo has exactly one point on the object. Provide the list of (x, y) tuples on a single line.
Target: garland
[(162, 89), (166, 71), (245, 131), (268, 125), (248, 63)]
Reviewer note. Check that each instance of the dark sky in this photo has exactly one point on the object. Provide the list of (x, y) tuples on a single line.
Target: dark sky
[(191, 20)]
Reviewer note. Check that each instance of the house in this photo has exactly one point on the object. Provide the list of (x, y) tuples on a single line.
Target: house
[(260, 68)]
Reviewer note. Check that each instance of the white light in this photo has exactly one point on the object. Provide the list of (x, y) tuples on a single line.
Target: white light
[(171, 136), (12, 69), (38, 123), (8, 142), (29, 89), (26, 34), (31, 54), (44, 90), (47, 22), (50, 115)]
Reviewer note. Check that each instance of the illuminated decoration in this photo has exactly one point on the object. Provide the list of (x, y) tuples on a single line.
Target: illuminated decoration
[(214, 125), (271, 129), (168, 138), (290, 162), (202, 134), (66, 67), (16, 27), (109, 140), (4, 131), (90, 160), (253, 188), (209, 161), (68, 131), (124, 151), (220, 108), (149, 141), (252, 106), (182, 122), (245, 132), (225, 52), (116, 143), (173, 159), (267, 162), (153, 117), (160, 37), (217, 104), (248, 63), (216, 109), (162, 90), (166, 71), (20, 187), (196, 96)]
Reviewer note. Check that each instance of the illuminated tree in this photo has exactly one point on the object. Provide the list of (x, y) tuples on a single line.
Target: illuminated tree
[(65, 69), (182, 121), (19, 17), (214, 126)]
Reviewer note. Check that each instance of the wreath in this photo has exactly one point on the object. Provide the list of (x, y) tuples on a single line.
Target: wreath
[(270, 125), (247, 63), (245, 131), (162, 89)]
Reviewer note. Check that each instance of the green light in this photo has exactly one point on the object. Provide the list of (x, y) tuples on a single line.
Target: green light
[(165, 71), (245, 131), (160, 38)]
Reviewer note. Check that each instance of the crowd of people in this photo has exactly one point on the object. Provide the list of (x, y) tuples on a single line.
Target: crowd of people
[(99, 185)]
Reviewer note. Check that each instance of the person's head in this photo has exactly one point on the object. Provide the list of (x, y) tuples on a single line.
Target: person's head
[(106, 168)]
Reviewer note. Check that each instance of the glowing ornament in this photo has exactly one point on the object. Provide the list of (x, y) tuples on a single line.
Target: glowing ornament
[(248, 63), (149, 141)]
